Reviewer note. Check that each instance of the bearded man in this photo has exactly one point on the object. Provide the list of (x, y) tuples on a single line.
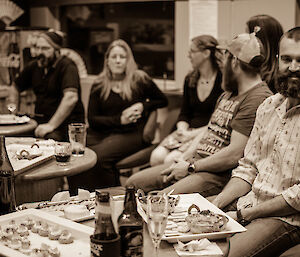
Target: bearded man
[(56, 84), (206, 166), (265, 187)]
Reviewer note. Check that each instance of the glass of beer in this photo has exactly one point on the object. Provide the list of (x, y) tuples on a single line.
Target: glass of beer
[(62, 153), (77, 137)]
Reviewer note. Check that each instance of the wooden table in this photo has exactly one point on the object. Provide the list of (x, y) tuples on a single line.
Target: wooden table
[(18, 129), (40, 183)]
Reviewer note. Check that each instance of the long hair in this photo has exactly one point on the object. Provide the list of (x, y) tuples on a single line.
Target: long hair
[(203, 42), (269, 34), (105, 78)]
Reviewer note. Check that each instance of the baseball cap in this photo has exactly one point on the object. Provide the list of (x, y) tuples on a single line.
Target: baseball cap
[(54, 38), (247, 48)]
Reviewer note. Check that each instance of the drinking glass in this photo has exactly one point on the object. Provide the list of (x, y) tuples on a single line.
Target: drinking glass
[(62, 153), (11, 107), (157, 214), (77, 137)]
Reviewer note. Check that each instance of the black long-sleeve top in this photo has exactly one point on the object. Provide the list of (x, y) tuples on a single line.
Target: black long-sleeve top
[(195, 112), (104, 116)]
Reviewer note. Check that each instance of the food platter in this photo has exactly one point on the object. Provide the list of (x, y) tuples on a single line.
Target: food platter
[(57, 208), (186, 200), (45, 152), (80, 247), (11, 119)]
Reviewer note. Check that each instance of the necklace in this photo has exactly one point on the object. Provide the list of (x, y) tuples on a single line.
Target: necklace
[(207, 82)]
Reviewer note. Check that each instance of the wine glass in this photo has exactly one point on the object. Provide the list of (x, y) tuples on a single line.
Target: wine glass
[(11, 107), (157, 214)]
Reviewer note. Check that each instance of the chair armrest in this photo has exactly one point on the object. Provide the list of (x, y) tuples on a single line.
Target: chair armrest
[(150, 127)]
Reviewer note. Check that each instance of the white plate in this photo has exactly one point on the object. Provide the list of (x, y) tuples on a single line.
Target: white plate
[(11, 119), (187, 200), (20, 166), (81, 233), (56, 208)]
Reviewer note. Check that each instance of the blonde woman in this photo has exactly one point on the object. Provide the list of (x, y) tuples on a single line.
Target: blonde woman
[(121, 99)]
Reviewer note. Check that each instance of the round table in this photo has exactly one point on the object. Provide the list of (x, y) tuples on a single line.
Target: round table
[(18, 129), (40, 183)]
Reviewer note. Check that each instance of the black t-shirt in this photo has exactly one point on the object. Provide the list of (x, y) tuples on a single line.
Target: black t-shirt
[(49, 88)]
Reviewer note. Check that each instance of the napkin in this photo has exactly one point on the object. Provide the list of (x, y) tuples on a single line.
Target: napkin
[(202, 247)]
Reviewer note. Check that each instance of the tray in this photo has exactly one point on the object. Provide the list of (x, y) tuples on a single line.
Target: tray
[(56, 208), (11, 119), (81, 233), (20, 166), (185, 201)]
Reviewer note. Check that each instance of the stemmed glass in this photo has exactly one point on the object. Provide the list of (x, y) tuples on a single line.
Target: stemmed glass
[(157, 214), (11, 107)]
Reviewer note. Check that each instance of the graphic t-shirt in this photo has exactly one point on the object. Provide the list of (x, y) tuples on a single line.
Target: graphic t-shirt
[(232, 113)]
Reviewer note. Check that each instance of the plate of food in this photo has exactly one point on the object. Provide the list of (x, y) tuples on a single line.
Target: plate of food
[(36, 233), (25, 155), (11, 119), (76, 208), (142, 199), (189, 222)]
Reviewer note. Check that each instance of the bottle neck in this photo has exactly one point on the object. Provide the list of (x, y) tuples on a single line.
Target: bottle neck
[(130, 202)]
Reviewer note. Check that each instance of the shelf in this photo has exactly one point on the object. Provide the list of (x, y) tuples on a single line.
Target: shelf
[(153, 47)]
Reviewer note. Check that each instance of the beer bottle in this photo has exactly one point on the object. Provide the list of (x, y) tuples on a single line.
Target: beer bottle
[(7, 181), (130, 225), (105, 242)]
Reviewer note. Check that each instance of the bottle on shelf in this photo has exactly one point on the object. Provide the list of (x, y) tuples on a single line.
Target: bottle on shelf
[(105, 242), (7, 181), (130, 225)]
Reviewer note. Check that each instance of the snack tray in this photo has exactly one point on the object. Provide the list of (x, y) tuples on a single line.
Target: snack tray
[(187, 200), (19, 166), (50, 207), (11, 119), (81, 234)]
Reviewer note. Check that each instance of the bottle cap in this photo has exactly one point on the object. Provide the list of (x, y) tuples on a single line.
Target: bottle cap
[(103, 196)]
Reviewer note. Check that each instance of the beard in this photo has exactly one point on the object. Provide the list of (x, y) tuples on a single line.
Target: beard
[(230, 83), (44, 61), (288, 83)]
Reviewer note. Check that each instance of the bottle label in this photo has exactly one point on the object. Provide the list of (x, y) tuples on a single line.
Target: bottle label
[(131, 241), (96, 249)]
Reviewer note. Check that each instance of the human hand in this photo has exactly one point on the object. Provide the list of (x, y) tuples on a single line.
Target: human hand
[(232, 214), (43, 130), (132, 113), (176, 171)]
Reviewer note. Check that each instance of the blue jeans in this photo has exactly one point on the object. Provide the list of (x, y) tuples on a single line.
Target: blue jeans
[(205, 183), (265, 237)]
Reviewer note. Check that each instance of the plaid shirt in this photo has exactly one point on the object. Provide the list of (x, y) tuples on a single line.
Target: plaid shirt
[(271, 162)]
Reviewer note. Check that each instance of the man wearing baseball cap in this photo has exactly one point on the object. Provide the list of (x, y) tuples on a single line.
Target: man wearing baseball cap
[(206, 166), (264, 191), (55, 82)]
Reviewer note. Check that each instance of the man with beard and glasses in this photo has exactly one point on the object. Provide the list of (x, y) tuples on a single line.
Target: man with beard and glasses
[(56, 84), (206, 166), (264, 191)]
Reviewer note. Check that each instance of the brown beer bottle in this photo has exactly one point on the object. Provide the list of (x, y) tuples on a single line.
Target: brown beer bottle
[(105, 242), (7, 181), (130, 225)]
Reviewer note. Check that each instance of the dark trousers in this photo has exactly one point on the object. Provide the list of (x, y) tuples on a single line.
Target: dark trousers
[(109, 150)]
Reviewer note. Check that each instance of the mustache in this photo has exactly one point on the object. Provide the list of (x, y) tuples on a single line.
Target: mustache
[(40, 57), (283, 76)]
